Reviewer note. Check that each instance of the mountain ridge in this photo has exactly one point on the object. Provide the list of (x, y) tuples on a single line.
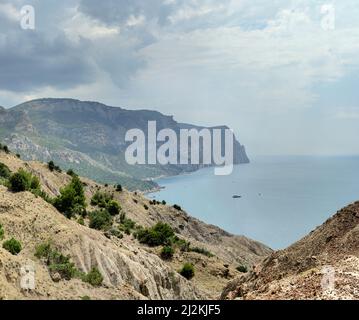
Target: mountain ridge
[(89, 136)]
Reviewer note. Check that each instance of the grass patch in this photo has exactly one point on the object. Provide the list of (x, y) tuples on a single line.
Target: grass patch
[(202, 251), (13, 246)]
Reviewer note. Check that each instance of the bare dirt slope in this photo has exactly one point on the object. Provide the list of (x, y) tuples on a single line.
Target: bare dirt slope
[(299, 271), (130, 270)]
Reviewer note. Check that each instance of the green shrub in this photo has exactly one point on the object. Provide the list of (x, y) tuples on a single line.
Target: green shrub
[(72, 199), (122, 217), (4, 171), (119, 188), (145, 206), (62, 265), (182, 244), (94, 277), (23, 181), (71, 173), (113, 208), (242, 269), (160, 234), (13, 246), (43, 251), (127, 225), (56, 261), (187, 271), (202, 251), (100, 220), (116, 233), (43, 195), (167, 253), (101, 199), (85, 298), (52, 167), (6, 149), (164, 202), (81, 221), (177, 207), (2, 232), (18, 183)]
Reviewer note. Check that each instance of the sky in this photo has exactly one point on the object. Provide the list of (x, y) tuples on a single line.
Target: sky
[(282, 74)]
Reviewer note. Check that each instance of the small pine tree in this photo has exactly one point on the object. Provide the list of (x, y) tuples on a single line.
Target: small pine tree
[(113, 208), (71, 197), (51, 165)]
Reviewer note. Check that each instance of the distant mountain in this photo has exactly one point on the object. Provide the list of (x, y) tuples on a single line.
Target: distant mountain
[(89, 137)]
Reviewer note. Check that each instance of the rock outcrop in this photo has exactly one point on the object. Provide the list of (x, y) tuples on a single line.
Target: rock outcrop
[(322, 265)]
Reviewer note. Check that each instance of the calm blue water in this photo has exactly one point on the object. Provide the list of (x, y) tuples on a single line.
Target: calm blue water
[(283, 198)]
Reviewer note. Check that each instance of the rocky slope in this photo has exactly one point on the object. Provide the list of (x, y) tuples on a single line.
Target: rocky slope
[(130, 270), (90, 138), (322, 265)]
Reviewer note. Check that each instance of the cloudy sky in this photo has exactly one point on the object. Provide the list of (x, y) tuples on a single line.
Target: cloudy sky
[(279, 72)]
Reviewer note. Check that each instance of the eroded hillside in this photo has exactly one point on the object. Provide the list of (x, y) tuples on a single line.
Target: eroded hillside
[(322, 265), (130, 269)]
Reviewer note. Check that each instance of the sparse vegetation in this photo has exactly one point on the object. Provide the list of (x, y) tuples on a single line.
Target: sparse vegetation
[(167, 253), (160, 234), (23, 181), (53, 167), (81, 221), (177, 207), (201, 251), (113, 207), (187, 271), (13, 246), (182, 244), (116, 233), (5, 148), (100, 220), (242, 269), (72, 199), (71, 173), (4, 171), (56, 261), (127, 225), (101, 199), (94, 277), (2, 232)]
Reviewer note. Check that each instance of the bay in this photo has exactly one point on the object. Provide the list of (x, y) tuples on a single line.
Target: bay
[(281, 198)]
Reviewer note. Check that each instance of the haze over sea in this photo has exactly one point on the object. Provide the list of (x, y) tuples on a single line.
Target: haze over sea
[(282, 198)]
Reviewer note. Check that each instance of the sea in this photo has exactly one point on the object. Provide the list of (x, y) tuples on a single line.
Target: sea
[(276, 200)]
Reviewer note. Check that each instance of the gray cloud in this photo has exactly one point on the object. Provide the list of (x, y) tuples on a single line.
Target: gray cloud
[(31, 59)]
